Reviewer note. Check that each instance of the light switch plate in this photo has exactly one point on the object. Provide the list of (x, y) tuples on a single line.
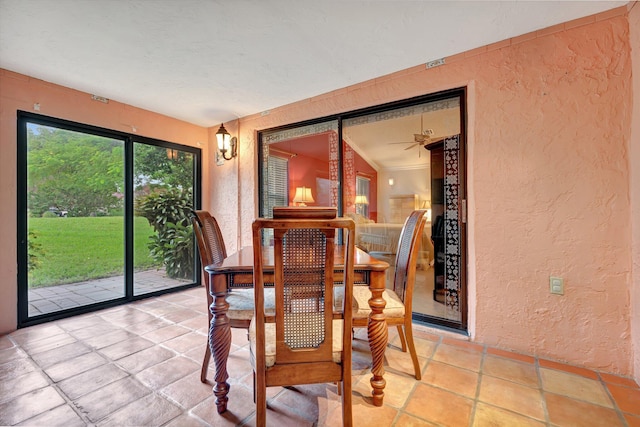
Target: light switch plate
[(556, 285)]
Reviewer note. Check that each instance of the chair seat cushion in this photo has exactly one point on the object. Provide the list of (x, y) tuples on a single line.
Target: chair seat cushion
[(270, 340), (241, 303), (362, 295)]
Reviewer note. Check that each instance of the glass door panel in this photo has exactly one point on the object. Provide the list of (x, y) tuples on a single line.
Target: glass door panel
[(75, 219), (163, 237), (393, 148), (299, 167)]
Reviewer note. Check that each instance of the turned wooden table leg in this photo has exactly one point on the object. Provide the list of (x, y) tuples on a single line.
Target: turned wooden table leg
[(378, 335), (220, 343)]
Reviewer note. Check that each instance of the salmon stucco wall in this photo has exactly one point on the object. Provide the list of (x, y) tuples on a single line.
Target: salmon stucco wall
[(634, 169), (20, 92), (548, 136)]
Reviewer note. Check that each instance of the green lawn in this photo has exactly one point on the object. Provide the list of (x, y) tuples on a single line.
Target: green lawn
[(77, 249)]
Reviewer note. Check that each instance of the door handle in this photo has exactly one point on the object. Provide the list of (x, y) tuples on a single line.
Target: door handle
[(464, 211)]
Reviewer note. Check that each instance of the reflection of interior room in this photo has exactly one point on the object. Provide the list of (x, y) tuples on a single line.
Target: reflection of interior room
[(310, 166), (409, 177)]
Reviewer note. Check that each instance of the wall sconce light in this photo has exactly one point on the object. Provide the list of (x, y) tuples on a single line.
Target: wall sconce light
[(172, 154), (226, 144), (303, 196), (391, 182)]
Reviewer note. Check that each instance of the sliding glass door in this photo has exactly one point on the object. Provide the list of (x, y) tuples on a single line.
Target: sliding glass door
[(163, 197), (74, 218), (385, 162), (418, 161), (103, 217)]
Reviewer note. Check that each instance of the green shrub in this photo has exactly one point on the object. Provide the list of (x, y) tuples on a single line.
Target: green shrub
[(49, 214), (168, 213), (35, 250)]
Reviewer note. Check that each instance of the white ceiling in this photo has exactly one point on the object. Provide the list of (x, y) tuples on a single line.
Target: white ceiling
[(210, 61)]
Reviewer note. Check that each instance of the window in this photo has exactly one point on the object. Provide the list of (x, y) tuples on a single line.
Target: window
[(96, 210), (277, 184), (362, 196)]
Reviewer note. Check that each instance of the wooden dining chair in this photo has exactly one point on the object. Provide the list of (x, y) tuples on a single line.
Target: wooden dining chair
[(213, 252), (398, 309), (309, 339)]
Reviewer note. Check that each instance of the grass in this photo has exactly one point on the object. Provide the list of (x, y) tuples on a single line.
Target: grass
[(77, 249)]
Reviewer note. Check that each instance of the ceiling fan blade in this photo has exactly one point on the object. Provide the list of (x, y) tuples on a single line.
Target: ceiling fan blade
[(404, 142), (412, 145)]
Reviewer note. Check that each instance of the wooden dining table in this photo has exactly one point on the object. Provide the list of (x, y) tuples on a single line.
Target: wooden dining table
[(236, 272)]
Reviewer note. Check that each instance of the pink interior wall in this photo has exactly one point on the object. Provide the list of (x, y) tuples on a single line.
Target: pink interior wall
[(303, 172), (634, 166), (19, 92), (548, 172)]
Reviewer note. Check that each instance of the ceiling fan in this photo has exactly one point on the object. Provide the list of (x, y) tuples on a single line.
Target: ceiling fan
[(421, 139)]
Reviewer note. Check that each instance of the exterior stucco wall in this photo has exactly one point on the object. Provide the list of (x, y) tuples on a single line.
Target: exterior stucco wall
[(634, 168), (548, 134), (19, 92)]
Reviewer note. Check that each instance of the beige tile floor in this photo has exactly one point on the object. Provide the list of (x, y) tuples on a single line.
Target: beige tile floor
[(139, 364)]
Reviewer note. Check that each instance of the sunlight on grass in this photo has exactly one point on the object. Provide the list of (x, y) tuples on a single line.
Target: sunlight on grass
[(77, 249)]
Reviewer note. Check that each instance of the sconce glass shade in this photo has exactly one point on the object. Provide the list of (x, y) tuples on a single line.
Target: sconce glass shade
[(391, 181), (223, 137), (303, 196), (226, 144), (361, 200)]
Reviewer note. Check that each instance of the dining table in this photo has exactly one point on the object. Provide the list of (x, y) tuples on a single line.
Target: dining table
[(236, 272)]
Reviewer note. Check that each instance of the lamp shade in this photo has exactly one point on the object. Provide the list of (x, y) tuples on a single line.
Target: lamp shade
[(303, 195), (361, 200)]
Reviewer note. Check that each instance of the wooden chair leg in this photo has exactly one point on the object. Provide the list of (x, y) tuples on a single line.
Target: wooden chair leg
[(403, 341), (261, 407), (347, 416), (205, 365), (412, 350), (260, 389)]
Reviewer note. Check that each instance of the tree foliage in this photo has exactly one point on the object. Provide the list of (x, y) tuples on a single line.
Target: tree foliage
[(172, 168), (84, 174), (80, 173)]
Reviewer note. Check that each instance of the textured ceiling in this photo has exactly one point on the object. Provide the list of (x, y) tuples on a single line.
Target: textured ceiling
[(210, 61)]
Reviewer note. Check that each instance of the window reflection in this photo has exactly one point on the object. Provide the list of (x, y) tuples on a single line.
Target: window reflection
[(299, 167)]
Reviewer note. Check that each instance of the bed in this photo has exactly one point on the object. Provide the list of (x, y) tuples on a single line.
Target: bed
[(381, 240)]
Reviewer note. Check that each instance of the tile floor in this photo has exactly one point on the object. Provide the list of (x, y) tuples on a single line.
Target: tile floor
[(139, 364)]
